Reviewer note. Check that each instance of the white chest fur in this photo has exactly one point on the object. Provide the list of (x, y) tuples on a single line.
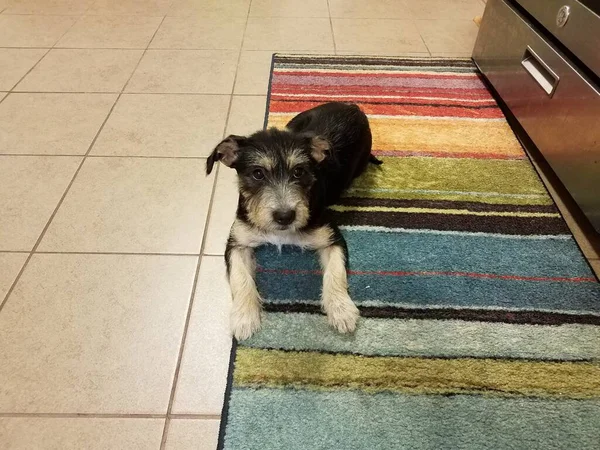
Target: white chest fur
[(251, 237)]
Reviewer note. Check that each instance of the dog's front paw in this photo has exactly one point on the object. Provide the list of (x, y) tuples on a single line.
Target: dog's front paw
[(342, 313), (245, 320)]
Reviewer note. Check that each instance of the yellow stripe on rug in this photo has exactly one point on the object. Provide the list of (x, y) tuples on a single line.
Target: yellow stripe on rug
[(344, 208), (435, 134), (313, 370)]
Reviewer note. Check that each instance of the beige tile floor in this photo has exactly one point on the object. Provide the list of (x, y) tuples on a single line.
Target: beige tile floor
[(114, 305)]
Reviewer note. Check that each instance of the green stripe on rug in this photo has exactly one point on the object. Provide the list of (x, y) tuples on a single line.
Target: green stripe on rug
[(453, 179), (275, 368)]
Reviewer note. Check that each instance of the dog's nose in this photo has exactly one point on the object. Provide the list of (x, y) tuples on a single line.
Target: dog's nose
[(284, 216)]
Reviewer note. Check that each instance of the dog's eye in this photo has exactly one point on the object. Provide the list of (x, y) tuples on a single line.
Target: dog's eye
[(298, 172), (258, 174)]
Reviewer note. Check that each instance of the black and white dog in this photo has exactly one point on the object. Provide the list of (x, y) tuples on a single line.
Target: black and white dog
[(287, 178)]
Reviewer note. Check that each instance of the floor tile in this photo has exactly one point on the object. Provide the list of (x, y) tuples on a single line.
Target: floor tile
[(94, 333), (134, 7), (210, 8), (27, 433), (200, 33), (192, 434), (247, 114), (35, 123), (164, 125), (185, 71), (595, 263), (32, 31), (81, 71), (2, 95), (110, 32), (377, 35), (289, 8), (29, 192), (136, 205), (444, 9), (64, 7), (448, 35), (222, 212), (253, 72), (16, 62), (373, 9), (11, 264), (288, 34), (203, 373)]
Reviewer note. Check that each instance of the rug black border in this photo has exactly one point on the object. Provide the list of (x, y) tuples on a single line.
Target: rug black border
[(525, 143)]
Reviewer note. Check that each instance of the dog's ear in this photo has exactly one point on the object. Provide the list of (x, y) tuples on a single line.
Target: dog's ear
[(320, 148), (226, 152)]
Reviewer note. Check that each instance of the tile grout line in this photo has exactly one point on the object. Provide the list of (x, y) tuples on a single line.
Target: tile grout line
[(422, 38), (109, 416), (85, 415), (316, 52), (205, 233), (191, 49), (331, 27), (63, 155), (68, 188), (47, 252), (222, 94)]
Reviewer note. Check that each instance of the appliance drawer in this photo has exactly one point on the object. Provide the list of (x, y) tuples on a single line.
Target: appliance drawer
[(556, 105), (573, 24)]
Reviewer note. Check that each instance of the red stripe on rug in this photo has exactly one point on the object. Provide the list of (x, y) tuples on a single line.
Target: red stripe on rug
[(385, 101), (385, 74), (473, 94), (397, 110), (435, 273)]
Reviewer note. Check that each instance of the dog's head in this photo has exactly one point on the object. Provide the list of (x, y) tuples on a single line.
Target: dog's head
[(276, 170)]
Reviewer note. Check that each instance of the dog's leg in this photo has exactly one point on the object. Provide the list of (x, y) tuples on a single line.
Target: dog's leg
[(246, 307), (341, 312)]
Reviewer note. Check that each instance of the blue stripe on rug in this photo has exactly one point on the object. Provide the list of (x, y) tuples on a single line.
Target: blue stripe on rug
[(448, 291), (275, 419), (371, 250)]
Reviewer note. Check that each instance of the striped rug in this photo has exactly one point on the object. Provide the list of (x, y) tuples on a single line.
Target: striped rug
[(480, 322)]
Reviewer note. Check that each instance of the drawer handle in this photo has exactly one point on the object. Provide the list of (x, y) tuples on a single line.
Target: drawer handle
[(539, 70)]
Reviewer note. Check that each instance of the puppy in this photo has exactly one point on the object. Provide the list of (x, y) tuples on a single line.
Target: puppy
[(287, 178)]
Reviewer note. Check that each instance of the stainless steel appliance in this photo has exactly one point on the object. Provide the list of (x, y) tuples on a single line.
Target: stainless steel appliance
[(543, 59)]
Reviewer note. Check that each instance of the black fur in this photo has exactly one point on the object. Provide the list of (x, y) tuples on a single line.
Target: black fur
[(347, 130)]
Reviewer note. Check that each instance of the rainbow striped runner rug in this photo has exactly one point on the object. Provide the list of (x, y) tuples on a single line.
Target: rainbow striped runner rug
[(480, 324)]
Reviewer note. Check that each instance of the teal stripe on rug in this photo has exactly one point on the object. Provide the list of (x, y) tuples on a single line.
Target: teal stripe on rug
[(371, 250), (449, 291), (273, 419), (449, 338)]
